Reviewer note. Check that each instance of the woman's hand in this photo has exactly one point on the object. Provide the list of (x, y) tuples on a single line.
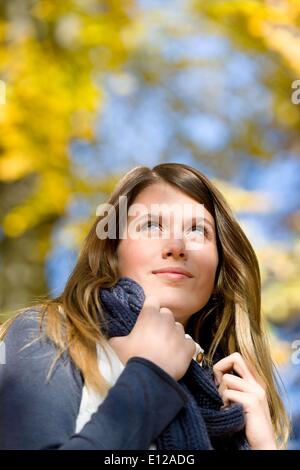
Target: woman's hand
[(248, 390), (158, 337)]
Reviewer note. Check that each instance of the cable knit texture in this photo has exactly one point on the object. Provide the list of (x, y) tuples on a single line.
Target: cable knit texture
[(201, 424)]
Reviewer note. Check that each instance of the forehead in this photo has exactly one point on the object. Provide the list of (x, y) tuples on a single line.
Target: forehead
[(167, 196)]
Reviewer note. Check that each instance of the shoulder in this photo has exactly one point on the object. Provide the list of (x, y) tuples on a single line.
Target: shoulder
[(30, 353), (24, 326), (23, 332), (28, 398)]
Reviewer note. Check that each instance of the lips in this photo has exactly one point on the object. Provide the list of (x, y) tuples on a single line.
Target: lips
[(172, 276), (173, 273)]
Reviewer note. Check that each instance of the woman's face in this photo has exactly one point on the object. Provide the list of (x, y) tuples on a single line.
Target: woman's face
[(166, 242)]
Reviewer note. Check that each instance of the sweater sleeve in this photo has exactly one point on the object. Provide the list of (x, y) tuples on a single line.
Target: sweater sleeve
[(40, 414)]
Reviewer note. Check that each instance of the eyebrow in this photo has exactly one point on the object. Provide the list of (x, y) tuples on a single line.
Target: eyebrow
[(194, 220)]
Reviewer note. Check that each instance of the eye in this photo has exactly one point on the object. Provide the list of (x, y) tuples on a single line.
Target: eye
[(149, 223), (200, 228)]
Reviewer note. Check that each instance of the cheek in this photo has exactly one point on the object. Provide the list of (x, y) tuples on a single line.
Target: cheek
[(132, 255), (208, 263)]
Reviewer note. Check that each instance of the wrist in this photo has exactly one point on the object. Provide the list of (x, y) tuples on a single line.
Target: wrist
[(270, 445)]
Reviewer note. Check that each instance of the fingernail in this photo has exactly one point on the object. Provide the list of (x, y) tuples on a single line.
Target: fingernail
[(224, 407)]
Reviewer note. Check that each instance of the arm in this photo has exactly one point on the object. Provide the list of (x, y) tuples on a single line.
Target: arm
[(35, 414), (135, 412)]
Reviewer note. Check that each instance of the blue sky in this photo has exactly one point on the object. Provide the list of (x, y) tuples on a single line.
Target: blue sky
[(139, 125)]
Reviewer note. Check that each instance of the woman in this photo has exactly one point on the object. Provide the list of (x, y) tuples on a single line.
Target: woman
[(127, 329)]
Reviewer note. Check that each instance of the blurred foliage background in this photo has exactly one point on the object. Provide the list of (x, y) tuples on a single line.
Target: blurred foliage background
[(94, 87)]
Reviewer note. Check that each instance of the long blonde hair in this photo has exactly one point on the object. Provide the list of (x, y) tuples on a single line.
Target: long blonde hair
[(231, 320)]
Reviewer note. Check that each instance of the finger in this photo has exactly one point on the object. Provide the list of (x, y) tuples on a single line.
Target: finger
[(254, 392), (244, 399), (221, 389), (226, 400), (256, 375), (234, 383), (179, 326), (253, 378), (233, 362), (167, 312), (151, 302)]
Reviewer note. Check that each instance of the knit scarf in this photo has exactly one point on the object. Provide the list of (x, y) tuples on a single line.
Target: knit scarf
[(200, 424)]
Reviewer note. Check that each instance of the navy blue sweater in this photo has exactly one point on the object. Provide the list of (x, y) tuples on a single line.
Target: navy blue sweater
[(36, 414)]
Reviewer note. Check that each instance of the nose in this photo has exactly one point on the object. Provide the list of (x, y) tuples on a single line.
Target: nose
[(175, 249)]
